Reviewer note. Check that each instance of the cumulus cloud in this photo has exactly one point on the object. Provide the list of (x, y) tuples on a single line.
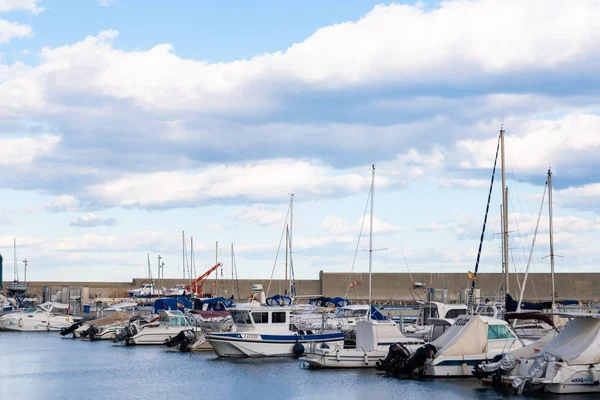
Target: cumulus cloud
[(269, 179), (11, 30), (340, 226), (20, 5), (20, 151), (90, 220), (259, 214), (62, 203)]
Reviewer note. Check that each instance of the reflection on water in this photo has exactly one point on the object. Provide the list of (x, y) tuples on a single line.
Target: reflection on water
[(46, 366)]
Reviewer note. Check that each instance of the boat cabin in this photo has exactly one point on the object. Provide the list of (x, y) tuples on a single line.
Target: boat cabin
[(435, 309), (261, 318), (174, 318)]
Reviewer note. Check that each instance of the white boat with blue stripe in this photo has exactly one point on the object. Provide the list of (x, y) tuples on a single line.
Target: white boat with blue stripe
[(265, 331)]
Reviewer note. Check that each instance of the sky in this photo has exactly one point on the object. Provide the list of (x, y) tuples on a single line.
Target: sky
[(124, 123)]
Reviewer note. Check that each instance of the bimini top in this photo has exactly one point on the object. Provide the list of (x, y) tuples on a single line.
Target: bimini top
[(470, 334), (579, 342)]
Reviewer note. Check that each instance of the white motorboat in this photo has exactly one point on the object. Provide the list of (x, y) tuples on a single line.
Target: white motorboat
[(373, 339), (430, 314), (570, 363), (264, 331), (48, 316), (175, 291), (155, 332), (469, 341), (145, 291), (103, 328)]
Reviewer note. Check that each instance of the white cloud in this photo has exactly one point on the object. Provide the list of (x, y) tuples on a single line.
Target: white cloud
[(569, 144), (259, 214), (20, 5), (63, 203), (24, 151), (271, 179), (11, 30), (340, 226), (586, 197), (394, 44), (90, 220)]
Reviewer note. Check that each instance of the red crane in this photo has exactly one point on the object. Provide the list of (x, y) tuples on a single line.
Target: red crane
[(199, 282)]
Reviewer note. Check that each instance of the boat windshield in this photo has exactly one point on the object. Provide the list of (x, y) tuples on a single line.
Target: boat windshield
[(346, 313), (241, 317)]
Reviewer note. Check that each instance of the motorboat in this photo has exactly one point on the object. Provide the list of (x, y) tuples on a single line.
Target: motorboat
[(145, 291), (168, 324), (373, 339), (264, 331), (471, 340), (175, 291), (430, 314), (49, 316), (102, 328), (570, 363)]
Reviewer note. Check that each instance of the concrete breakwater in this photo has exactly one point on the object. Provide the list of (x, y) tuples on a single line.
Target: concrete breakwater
[(386, 286)]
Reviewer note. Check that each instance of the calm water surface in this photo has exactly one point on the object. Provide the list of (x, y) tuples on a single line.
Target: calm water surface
[(46, 366)]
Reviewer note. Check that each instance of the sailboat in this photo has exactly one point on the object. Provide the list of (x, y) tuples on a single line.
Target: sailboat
[(16, 287), (373, 336)]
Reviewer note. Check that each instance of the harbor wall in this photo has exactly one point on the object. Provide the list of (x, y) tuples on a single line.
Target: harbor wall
[(385, 286)]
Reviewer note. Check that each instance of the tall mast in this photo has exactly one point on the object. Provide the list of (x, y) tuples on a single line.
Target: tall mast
[(183, 253), (551, 235), (16, 268), (217, 270), (371, 235), (25, 262), (232, 276), (287, 244), (150, 275), (505, 214), (290, 243)]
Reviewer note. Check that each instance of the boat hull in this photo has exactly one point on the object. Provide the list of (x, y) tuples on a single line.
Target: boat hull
[(24, 323), (344, 358), (242, 345), (155, 335)]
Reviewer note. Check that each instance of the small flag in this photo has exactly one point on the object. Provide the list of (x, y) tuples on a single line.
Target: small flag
[(355, 283), (471, 276)]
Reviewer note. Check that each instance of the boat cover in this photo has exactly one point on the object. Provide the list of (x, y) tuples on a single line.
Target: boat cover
[(578, 343), (468, 335), (279, 300), (213, 304), (172, 303)]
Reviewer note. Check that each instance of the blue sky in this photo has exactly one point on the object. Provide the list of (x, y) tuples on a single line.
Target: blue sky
[(125, 123)]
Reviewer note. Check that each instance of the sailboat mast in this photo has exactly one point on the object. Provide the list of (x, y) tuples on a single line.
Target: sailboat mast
[(16, 270), (287, 244), (371, 235), (505, 215), (551, 235), (290, 243), (217, 270), (183, 253)]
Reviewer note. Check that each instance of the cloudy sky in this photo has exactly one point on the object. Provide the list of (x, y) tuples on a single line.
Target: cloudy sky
[(124, 123)]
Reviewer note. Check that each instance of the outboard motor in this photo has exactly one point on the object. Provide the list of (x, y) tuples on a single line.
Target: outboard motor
[(398, 361), (183, 340), (91, 332), (486, 368), (397, 353), (127, 332), (70, 329)]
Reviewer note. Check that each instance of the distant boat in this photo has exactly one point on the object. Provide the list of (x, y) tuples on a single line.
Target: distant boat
[(16, 287)]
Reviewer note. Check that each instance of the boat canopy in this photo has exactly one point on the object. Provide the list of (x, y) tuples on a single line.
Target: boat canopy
[(470, 335), (376, 315), (172, 303), (279, 300), (213, 304), (324, 301), (511, 304), (525, 316), (578, 343), (51, 305)]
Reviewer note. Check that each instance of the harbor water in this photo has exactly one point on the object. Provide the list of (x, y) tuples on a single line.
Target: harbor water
[(46, 366)]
